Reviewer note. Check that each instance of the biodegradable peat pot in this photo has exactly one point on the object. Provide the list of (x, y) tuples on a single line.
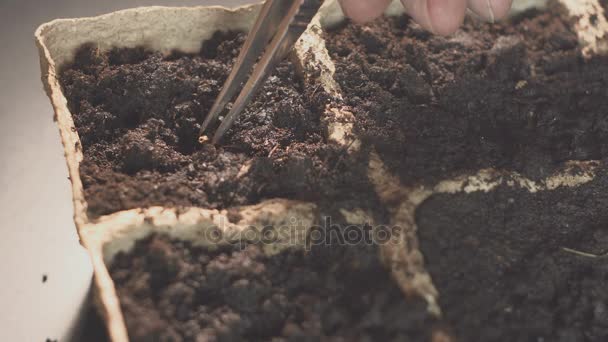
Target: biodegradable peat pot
[(165, 30), (183, 29)]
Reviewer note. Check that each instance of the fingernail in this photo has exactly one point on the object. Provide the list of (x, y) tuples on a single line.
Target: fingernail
[(491, 11)]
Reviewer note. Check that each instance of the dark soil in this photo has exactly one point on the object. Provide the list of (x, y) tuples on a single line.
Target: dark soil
[(171, 291), (515, 95), (138, 116), (497, 259)]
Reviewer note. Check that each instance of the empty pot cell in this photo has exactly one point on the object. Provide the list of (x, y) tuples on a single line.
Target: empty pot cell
[(170, 290), (515, 95), (511, 265), (138, 115)]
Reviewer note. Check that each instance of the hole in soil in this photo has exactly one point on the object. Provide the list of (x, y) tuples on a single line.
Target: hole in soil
[(499, 262), (239, 294), (514, 95), (123, 56), (138, 115)]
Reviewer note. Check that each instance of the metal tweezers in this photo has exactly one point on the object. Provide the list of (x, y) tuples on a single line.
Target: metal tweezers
[(276, 30)]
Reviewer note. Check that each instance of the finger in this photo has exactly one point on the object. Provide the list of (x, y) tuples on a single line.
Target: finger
[(364, 10), (442, 17), (491, 10)]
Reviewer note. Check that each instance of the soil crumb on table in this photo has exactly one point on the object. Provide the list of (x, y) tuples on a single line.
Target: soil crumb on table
[(172, 291), (504, 266), (516, 95), (138, 115)]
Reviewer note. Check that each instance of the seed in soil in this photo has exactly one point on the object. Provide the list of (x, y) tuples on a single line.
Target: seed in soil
[(138, 115)]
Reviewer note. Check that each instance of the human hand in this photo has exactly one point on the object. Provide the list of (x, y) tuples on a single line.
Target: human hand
[(442, 17)]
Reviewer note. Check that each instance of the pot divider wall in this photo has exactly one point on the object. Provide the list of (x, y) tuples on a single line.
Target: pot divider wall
[(167, 29)]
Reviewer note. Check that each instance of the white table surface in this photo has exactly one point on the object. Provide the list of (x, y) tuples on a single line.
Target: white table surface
[(38, 235)]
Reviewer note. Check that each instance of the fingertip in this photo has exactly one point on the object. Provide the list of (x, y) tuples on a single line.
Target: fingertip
[(362, 11), (491, 10), (501, 8), (446, 16)]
